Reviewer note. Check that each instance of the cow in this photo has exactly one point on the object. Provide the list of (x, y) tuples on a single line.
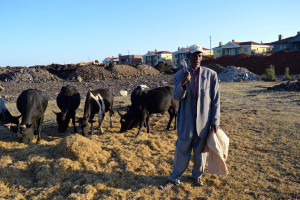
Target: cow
[(32, 105), (97, 101), (147, 102), (68, 100), (6, 117)]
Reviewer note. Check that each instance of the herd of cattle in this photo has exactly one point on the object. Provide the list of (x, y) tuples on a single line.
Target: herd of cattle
[(32, 104)]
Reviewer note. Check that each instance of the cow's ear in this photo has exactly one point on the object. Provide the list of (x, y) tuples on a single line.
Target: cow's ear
[(28, 125)]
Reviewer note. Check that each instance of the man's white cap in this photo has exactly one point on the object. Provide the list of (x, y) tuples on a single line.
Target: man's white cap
[(196, 48)]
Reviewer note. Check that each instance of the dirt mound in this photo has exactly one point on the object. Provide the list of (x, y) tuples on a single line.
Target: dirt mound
[(164, 68), (147, 70), (89, 73), (31, 75), (127, 71), (258, 64), (216, 67), (288, 86)]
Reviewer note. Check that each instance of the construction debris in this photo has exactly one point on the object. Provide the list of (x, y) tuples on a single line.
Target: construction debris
[(237, 74)]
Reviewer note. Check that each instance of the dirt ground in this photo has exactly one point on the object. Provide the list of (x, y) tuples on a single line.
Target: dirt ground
[(263, 127)]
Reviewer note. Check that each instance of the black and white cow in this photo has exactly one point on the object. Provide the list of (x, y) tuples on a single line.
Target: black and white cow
[(97, 101), (68, 100), (32, 105), (147, 102), (6, 117)]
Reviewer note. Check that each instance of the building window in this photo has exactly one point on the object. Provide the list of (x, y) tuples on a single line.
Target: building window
[(245, 49)]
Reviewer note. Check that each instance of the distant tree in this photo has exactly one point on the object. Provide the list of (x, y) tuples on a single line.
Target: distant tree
[(96, 61)]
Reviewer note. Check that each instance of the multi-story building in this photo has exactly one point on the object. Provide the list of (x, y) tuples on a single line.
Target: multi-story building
[(235, 48), (152, 58), (130, 59), (288, 44), (182, 53), (113, 60)]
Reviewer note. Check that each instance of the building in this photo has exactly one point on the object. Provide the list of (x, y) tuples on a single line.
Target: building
[(288, 44), (113, 60), (130, 59), (235, 48), (87, 63), (182, 53), (152, 58)]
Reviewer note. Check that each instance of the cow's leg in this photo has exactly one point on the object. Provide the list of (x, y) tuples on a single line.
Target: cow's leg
[(147, 123), (74, 123), (100, 123), (111, 112), (39, 129), (171, 118), (142, 121), (91, 121), (92, 128)]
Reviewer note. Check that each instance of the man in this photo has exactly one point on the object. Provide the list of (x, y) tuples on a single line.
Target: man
[(197, 89)]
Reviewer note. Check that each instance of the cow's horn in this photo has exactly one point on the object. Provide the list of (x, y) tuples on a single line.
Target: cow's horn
[(54, 112), (22, 126)]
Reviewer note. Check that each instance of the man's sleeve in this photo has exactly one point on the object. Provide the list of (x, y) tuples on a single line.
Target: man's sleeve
[(215, 100), (179, 93)]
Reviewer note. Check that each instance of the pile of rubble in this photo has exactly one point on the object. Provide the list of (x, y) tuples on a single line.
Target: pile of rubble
[(237, 74), (31, 75), (90, 73), (216, 67), (288, 86)]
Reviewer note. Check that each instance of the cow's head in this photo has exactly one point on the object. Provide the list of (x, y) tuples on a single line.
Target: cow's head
[(128, 121), (84, 125), (62, 121), (26, 133), (13, 123)]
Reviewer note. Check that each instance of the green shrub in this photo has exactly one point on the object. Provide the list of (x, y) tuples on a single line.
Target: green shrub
[(287, 74), (270, 74)]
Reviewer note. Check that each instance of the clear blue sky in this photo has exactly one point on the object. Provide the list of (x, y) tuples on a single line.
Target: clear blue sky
[(41, 32)]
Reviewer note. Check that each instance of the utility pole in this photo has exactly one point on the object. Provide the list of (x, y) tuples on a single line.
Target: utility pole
[(210, 45)]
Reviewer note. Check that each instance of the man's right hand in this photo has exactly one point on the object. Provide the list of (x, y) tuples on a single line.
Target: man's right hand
[(186, 77)]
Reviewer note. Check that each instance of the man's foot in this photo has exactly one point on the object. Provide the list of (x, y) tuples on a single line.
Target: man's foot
[(197, 182), (168, 184)]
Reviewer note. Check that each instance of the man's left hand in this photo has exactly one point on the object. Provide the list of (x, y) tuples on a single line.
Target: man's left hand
[(214, 128)]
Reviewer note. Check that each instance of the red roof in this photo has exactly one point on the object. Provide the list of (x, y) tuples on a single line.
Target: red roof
[(247, 43), (161, 52)]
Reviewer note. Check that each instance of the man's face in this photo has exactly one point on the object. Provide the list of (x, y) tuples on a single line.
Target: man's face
[(196, 59)]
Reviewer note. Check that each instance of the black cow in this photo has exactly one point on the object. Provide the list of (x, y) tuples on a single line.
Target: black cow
[(6, 118), (32, 105), (68, 100), (144, 103), (97, 101)]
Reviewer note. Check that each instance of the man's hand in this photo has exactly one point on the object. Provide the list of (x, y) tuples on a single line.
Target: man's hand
[(214, 128), (186, 77)]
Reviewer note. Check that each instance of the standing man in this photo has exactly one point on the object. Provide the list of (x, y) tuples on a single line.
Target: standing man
[(197, 89)]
